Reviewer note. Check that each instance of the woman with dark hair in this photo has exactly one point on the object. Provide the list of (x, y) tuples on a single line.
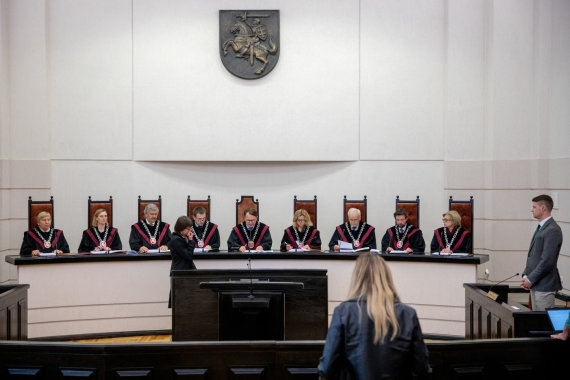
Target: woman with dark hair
[(373, 335), (181, 247)]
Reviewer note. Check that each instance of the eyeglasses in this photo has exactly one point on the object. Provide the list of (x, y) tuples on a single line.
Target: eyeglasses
[(446, 220)]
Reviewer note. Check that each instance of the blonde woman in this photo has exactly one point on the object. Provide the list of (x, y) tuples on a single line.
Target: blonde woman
[(373, 335), (43, 238), (301, 234), (101, 236), (451, 237)]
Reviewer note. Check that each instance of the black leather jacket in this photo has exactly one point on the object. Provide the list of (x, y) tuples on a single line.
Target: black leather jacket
[(350, 353)]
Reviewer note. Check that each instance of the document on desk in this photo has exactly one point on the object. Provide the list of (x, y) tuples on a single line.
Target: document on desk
[(345, 246), (450, 254), (47, 254), (395, 251), (297, 250), (200, 250), (103, 252), (158, 251)]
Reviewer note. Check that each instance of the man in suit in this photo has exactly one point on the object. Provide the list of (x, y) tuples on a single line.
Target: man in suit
[(541, 275)]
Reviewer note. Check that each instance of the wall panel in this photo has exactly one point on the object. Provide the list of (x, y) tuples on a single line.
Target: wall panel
[(90, 72), (185, 100), (401, 80)]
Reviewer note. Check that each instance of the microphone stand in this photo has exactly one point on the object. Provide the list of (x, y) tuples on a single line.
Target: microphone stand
[(492, 295), (251, 296)]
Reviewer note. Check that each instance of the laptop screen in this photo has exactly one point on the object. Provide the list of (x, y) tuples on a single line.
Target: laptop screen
[(558, 317)]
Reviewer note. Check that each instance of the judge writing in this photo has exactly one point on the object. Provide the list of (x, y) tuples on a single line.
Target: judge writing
[(250, 234), (150, 233)]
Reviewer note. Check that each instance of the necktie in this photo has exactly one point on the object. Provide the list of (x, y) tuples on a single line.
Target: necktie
[(535, 232)]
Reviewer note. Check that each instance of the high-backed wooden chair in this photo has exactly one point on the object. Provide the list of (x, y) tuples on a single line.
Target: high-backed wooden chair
[(143, 203), (360, 204), (413, 209), (465, 210), (35, 207), (309, 205), (246, 201), (93, 206), (192, 204)]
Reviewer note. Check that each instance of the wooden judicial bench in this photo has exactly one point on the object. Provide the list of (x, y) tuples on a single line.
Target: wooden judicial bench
[(94, 294)]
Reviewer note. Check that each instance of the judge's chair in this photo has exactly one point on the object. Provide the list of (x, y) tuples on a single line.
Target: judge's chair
[(413, 209), (360, 204), (35, 207), (93, 206), (192, 204), (308, 205), (465, 210), (142, 203), (247, 201)]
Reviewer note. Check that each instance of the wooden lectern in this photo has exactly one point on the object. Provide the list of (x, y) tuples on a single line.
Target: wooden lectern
[(261, 304)]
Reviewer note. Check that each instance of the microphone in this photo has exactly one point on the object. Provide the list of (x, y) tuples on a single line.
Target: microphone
[(492, 295), (250, 279)]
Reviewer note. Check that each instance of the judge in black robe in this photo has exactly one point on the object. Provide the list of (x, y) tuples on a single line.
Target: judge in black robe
[(141, 241), (451, 237), (413, 242), (43, 238), (301, 234), (312, 239), (250, 234), (204, 233), (365, 231), (403, 236), (90, 241), (208, 234)]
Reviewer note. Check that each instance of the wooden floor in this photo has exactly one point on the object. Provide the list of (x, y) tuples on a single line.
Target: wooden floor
[(129, 339)]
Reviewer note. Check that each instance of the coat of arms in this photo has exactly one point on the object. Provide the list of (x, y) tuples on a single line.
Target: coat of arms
[(249, 42)]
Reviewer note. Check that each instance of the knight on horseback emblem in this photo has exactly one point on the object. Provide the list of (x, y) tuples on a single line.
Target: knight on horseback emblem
[(249, 42)]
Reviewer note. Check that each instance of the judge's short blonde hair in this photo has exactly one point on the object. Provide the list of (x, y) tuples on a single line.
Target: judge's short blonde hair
[(302, 212), (454, 216), (41, 215)]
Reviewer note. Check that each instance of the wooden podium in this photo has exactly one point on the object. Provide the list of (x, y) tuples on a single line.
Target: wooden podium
[(486, 318), (257, 304)]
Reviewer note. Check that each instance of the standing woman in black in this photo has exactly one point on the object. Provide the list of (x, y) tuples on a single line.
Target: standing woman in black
[(181, 247)]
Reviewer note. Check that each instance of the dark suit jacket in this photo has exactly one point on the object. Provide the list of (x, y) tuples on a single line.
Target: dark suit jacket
[(541, 268)]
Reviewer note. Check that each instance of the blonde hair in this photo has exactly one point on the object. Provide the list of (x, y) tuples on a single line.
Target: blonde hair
[(304, 213), (455, 217), (372, 281), (97, 213), (41, 215)]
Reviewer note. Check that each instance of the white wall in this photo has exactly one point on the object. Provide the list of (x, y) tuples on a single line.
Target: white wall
[(432, 98)]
